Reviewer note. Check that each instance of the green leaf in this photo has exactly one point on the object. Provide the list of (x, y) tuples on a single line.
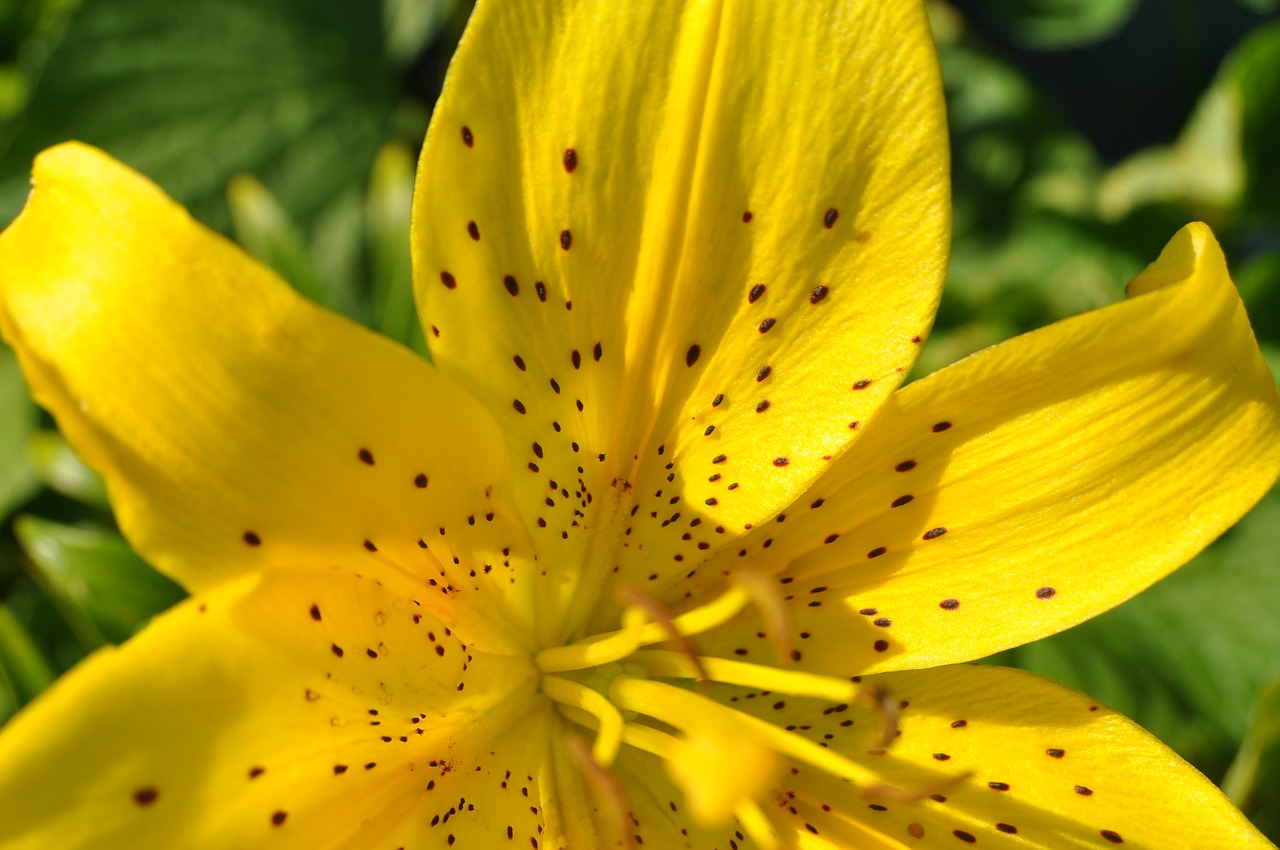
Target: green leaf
[(1061, 24), (1253, 781), (411, 23), (263, 227), (61, 470), (104, 590), (18, 420), (387, 214), (24, 670), (296, 92), (1186, 658), (1203, 171), (1253, 70)]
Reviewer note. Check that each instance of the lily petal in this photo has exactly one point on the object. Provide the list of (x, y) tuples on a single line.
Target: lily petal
[(663, 246), (995, 753), (1033, 485), (237, 425), (304, 709)]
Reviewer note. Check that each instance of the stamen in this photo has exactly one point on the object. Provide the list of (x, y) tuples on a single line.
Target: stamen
[(894, 794), (609, 736), (659, 614), (675, 665), (777, 617), (677, 707), (635, 633), (605, 649), (606, 787)]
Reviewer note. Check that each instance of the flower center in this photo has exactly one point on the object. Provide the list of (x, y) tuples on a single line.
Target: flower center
[(669, 702)]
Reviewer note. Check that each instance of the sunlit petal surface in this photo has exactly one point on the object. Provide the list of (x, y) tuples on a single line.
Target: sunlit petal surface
[(1032, 485), (238, 426), (680, 308)]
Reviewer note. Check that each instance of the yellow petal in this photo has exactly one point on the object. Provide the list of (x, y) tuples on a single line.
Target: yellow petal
[(995, 753), (651, 237), (1033, 485), (302, 709), (238, 426)]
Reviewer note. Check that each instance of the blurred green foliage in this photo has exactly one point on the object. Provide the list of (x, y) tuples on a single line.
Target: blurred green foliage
[(293, 126)]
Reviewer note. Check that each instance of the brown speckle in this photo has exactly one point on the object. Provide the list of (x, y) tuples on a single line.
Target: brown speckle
[(570, 160), (829, 218)]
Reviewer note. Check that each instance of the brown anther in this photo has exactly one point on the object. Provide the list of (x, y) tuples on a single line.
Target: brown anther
[(658, 613), (887, 707)]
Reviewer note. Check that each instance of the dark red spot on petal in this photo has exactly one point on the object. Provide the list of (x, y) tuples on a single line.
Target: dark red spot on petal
[(746, 217), (510, 283), (448, 280), (767, 325), (829, 218), (966, 837), (862, 384), (570, 159), (819, 292), (939, 427), (763, 373), (754, 295), (315, 612), (518, 405), (905, 466), (473, 230), (278, 818), (877, 552), (901, 500), (420, 481), (1054, 752), (1007, 828), (467, 139), (1113, 837), (880, 645), (252, 538), (781, 461), (1046, 593), (566, 239), (691, 356), (949, 604), (934, 532), (366, 457), (541, 289), (146, 796), (762, 406), (998, 786), (1083, 791)]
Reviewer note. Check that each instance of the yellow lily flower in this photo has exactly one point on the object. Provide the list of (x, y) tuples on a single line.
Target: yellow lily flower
[(674, 261)]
